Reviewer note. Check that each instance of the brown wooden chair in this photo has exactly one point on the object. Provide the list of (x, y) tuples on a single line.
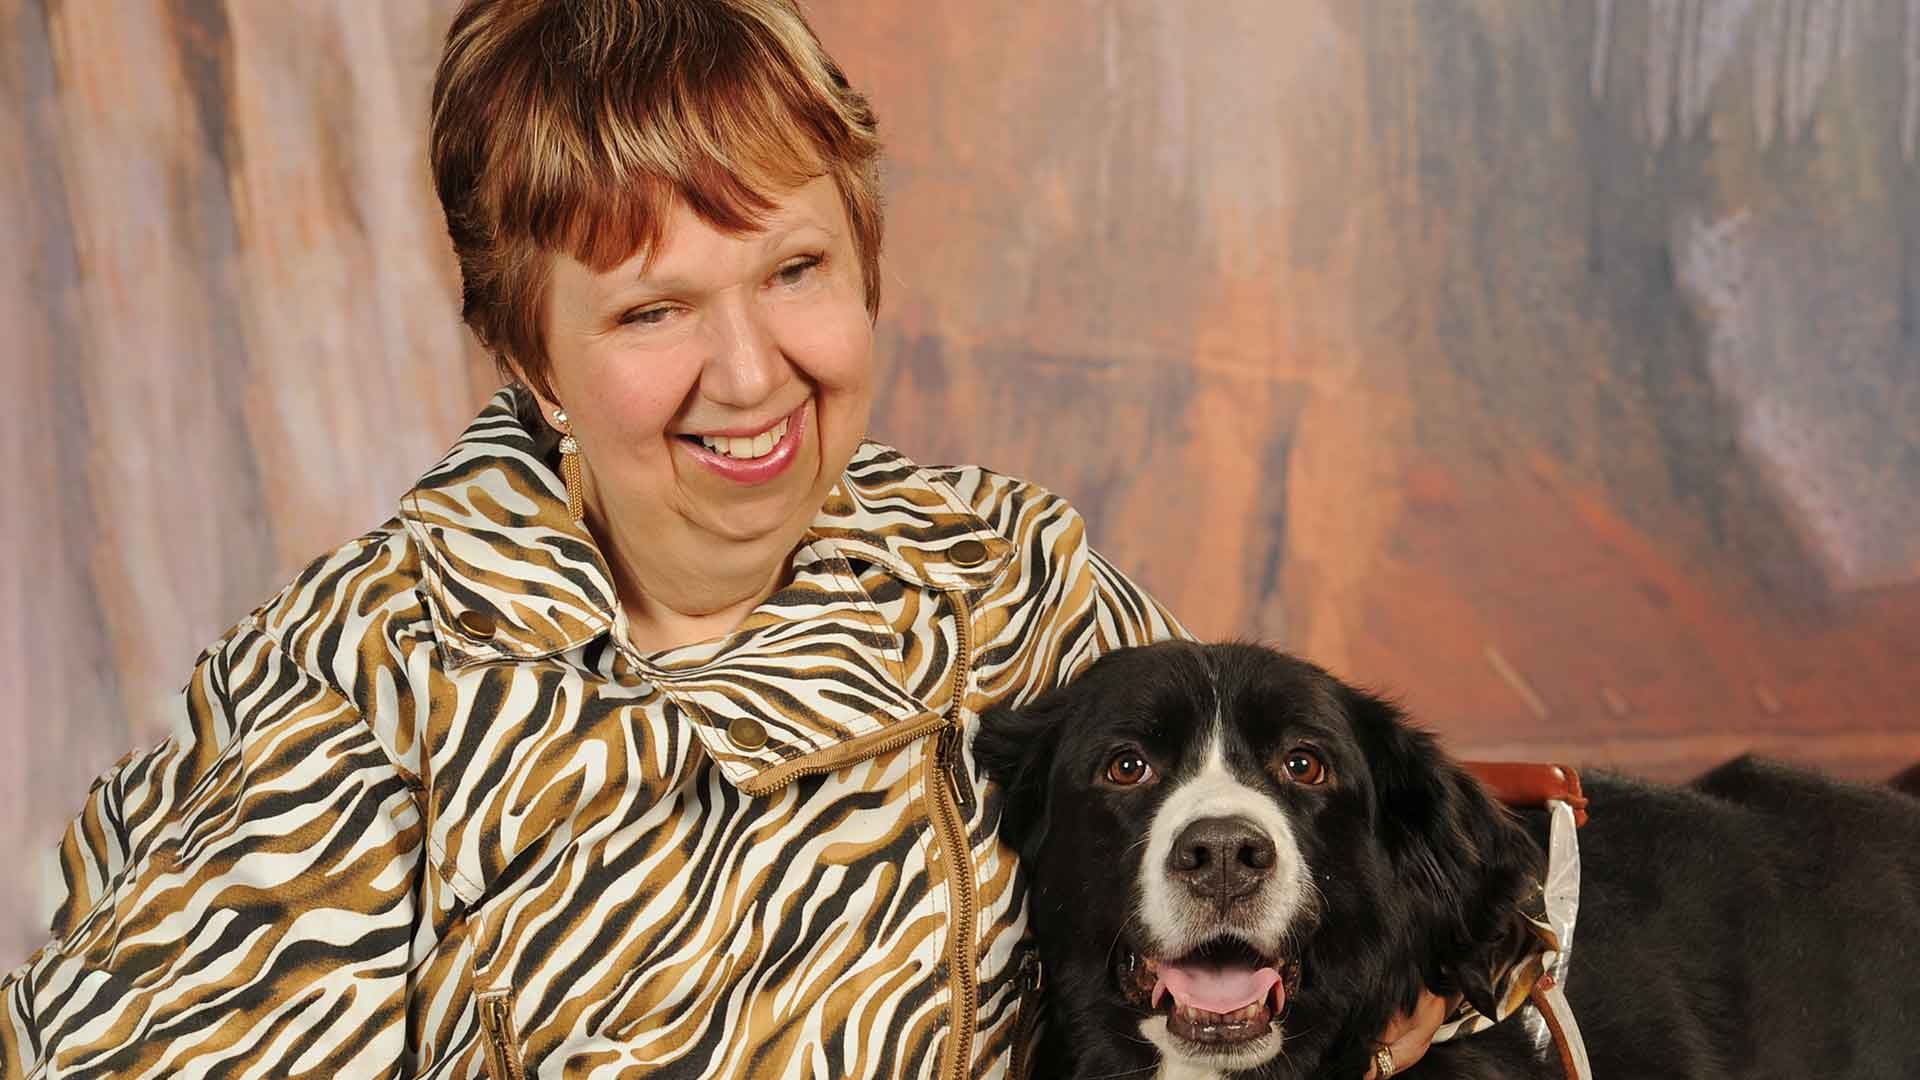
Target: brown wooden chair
[(1527, 785)]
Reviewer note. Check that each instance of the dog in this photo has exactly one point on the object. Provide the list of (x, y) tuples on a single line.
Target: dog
[(1241, 866)]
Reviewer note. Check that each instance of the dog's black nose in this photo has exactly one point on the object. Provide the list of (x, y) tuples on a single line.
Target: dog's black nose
[(1221, 858)]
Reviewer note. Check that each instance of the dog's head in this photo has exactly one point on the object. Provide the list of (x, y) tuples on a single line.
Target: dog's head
[(1245, 862)]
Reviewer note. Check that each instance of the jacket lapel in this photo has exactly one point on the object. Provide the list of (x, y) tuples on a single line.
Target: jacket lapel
[(812, 675)]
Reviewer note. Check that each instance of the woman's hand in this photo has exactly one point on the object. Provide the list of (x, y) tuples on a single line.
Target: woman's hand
[(1408, 1035)]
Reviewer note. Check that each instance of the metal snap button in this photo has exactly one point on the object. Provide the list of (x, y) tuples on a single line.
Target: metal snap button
[(476, 624), (968, 553), (747, 733)]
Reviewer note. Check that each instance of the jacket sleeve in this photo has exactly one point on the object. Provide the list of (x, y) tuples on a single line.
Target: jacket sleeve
[(240, 898), (1113, 612), (1081, 606)]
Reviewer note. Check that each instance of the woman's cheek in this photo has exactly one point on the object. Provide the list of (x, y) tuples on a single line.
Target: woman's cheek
[(647, 389), (834, 351)]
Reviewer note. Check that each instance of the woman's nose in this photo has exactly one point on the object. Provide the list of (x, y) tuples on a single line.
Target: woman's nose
[(746, 364)]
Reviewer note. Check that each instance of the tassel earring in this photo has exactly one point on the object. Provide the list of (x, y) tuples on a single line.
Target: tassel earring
[(570, 468)]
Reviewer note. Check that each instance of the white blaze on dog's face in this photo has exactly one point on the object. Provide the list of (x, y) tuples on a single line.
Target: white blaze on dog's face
[(1221, 869), (1182, 920)]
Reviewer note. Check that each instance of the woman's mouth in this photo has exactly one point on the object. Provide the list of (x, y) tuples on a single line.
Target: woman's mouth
[(752, 459)]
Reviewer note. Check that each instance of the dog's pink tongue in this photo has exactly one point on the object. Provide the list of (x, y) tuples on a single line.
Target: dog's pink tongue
[(1214, 990)]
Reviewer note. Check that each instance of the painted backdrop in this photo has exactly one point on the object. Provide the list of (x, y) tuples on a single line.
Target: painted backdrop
[(1552, 366)]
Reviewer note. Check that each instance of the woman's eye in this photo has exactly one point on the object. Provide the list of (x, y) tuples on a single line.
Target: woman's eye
[(652, 316), (1128, 768), (1305, 767), (795, 272)]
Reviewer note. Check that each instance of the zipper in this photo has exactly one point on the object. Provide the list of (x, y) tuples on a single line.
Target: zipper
[(832, 763), (887, 745), (951, 827), (496, 1021), (1031, 980)]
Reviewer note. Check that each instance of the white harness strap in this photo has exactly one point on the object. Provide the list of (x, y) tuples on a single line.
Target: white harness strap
[(1562, 889), (1539, 980)]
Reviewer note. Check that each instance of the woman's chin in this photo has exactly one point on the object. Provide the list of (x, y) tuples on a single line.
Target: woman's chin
[(770, 517)]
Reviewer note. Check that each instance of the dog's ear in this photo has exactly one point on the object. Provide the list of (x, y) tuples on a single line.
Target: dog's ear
[(1460, 859), (1014, 748)]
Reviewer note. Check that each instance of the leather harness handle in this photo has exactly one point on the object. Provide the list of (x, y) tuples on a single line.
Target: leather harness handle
[(1547, 1012), (1532, 785)]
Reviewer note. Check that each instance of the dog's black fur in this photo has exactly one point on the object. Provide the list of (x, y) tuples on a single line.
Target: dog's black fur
[(1908, 781), (1760, 922)]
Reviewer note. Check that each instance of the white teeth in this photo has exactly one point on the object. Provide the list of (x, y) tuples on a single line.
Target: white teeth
[(746, 449)]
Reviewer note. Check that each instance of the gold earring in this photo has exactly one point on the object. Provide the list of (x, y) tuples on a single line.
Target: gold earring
[(570, 468)]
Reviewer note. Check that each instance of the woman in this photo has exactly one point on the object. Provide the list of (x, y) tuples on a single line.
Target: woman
[(637, 740)]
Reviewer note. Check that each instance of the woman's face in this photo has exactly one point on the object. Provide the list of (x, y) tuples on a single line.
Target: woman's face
[(718, 395)]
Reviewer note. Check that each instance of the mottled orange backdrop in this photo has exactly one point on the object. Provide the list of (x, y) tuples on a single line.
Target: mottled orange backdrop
[(1552, 366)]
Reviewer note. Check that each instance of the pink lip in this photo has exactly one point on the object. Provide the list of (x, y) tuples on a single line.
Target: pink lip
[(760, 470)]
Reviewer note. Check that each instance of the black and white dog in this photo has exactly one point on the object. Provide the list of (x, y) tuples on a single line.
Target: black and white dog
[(1241, 866)]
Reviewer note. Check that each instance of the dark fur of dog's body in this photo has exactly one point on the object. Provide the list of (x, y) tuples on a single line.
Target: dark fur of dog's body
[(1908, 781), (1760, 923)]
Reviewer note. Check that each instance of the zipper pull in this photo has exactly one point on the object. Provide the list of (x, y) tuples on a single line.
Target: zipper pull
[(1033, 976), (1028, 981), (953, 761), (496, 1023)]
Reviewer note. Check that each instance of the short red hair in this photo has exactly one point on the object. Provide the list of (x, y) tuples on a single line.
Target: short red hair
[(572, 126)]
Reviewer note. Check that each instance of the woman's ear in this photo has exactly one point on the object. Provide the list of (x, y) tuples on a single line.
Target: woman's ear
[(540, 394), (1014, 748), (1459, 858)]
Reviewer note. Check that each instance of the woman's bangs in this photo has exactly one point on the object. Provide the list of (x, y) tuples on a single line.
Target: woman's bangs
[(727, 149)]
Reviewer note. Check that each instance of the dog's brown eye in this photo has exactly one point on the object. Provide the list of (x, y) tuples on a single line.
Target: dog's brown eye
[(1305, 767), (1128, 768)]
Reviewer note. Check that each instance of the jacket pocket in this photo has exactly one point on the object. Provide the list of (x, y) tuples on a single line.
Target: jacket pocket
[(503, 1045), (1027, 1014)]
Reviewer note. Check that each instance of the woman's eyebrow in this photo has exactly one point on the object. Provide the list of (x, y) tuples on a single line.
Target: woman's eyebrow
[(777, 236), (650, 279), (644, 285)]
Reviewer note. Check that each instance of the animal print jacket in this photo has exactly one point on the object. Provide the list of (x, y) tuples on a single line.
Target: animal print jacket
[(426, 813)]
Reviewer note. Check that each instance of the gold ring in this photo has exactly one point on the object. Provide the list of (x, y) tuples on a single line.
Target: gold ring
[(1383, 1061)]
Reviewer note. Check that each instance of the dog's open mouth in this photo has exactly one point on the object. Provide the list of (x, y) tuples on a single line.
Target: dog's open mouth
[(1221, 994)]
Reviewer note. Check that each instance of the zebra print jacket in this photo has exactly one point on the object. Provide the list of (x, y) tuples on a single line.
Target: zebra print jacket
[(425, 813)]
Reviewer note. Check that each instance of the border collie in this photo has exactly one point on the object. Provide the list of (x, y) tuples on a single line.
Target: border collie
[(1241, 866)]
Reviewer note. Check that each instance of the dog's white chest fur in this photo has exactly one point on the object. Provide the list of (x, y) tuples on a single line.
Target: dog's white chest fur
[(1178, 1071)]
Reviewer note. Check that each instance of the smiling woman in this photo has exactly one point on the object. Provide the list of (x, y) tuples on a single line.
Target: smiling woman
[(639, 740), (641, 734)]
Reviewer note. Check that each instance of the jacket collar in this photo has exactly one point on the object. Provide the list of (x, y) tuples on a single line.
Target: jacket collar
[(508, 575)]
